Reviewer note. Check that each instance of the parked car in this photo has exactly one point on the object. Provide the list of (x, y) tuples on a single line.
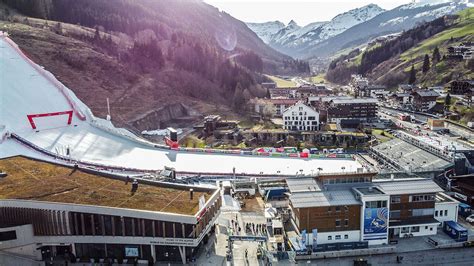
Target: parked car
[(470, 219)]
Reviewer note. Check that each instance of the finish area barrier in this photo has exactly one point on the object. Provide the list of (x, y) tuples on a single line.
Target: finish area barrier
[(32, 122)]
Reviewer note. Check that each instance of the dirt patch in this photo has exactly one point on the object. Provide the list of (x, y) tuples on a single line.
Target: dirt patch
[(253, 205)]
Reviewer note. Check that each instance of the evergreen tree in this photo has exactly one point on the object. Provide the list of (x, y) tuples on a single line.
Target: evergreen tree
[(238, 100), (426, 63), (97, 34), (59, 28), (412, 77), (447, 101), (436, 55)]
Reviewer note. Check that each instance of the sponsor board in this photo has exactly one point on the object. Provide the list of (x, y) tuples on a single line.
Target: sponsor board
[(375, 223)]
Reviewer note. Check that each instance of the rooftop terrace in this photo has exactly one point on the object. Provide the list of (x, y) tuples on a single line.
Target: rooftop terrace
[(442, 197), (41, 181), (369, 190)]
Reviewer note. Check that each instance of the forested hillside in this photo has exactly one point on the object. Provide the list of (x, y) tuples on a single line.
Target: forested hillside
[(191, 18), (390, 62), (153, 66)]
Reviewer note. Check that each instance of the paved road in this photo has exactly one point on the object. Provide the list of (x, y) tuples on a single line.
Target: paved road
[(218, 244), (455, 130), (423, 255), (457, 257)]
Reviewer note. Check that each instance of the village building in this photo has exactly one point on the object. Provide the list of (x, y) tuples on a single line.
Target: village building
[(424, 100), (301, 117)]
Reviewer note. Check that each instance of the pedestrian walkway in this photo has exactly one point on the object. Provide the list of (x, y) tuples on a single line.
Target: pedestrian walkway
[(229, 204)]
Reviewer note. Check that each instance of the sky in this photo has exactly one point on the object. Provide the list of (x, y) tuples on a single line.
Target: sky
[(302, 11)]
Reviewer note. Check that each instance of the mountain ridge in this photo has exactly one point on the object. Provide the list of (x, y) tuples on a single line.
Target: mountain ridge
[(294, 37), (389, 62), (324, 42), (392, 21)]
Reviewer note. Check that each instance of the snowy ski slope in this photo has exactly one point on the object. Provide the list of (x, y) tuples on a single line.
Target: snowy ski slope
[(26, 90)]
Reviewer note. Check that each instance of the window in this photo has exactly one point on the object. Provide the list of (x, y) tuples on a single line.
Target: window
[(405, 230), (338, 237), (422, 212), (415, 229), (128, 226), (148, 228), (108, 225), (7, 235), (436, 214), (346, 236), (376, 204), (338, 208), (346, 209), (426, 227), (329, 237), (395, 214), (338, 223), (418, 198), (445, 212), (395, 199), (329, 209), (87, 223)]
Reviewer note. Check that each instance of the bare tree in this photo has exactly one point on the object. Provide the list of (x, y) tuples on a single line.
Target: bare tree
[(269, 110)]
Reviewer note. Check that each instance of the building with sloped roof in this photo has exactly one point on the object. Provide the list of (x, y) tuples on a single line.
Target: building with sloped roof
[(423, 100), (337, 109)]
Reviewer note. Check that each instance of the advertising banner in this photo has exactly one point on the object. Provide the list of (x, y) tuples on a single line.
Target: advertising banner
[(315, 239), (375, 223), (303, 240)]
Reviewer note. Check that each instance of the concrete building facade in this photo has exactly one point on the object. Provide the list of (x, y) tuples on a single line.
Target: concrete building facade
[(301, 117)]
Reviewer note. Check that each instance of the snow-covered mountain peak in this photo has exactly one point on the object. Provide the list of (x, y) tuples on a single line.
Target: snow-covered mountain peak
[(266, 30), (357, 26), (316, 32), (292, 24), (370, 10), (293, 35)]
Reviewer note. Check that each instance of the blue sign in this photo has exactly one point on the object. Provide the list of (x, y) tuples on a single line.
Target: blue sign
[(248, 238), (303, 239), (131, 252), (375, 223), (315, 239)]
